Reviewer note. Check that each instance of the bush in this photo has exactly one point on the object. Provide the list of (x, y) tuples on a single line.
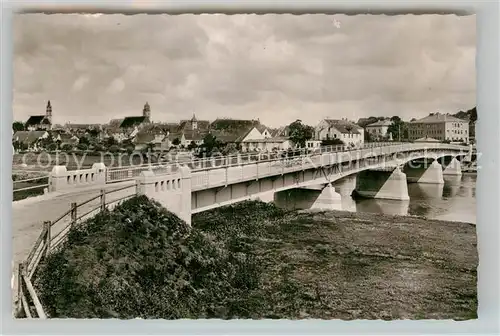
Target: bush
[(114, 149), (66, 147), (82, 146), (142, 261), (52, 147)]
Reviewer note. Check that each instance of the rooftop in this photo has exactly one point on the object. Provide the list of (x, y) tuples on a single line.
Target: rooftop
[(276, 139), (37, 120), (426, 139), (133, 121), (437, 118), (380, 123), (344, 126), (28, 136)]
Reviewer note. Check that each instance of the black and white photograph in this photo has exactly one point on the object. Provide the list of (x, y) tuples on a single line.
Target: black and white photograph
[(213, 166)]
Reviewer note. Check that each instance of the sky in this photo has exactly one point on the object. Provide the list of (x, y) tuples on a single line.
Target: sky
[(275, 68)]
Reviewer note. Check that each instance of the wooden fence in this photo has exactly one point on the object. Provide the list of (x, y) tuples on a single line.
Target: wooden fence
[(28, 303)]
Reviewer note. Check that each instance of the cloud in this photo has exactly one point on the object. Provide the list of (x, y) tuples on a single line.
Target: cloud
[(274, 67)]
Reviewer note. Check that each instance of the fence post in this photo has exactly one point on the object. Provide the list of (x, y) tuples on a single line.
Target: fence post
[(47, 225), (73, 213), (138, 187), (19, 304), (257, 164), (103, 200), (227, 176)]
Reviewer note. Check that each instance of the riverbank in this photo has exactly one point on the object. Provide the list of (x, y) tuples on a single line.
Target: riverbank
[(365, 266), (255, 260)]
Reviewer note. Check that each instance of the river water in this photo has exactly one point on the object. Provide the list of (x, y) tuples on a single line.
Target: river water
[(453, 201)]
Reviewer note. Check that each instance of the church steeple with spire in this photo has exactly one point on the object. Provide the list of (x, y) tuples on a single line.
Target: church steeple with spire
[(48, 111), (146, 112), (194, 122)]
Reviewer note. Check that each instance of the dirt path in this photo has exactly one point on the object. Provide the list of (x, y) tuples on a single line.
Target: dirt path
[(29, 214)]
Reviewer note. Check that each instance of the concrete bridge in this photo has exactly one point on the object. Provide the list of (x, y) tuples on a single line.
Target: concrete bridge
[(383, 171)]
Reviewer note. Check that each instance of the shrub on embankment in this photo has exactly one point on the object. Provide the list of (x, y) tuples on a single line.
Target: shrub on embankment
[(139, 260)]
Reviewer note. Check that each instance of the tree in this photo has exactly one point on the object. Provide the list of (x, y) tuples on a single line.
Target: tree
[(300, 133), (17, 126), (176, 142), (84, 140), (127, 142), (52, 147), (396, 119), (366, 121), (98, 147), (66, 147), (367, 136), (192, 145), (44, 143), (114, 149), (93, 132), (18, 145), (473, 114), (398, 129), (229, 149), (110, 141), (210, 145), (82, 146)]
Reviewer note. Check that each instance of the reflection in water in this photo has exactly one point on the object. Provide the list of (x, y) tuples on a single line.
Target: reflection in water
[(429, 191), (451, 186), (388, 207), (454, 201)]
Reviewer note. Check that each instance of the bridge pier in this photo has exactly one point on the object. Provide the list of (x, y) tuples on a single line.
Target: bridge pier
[(329, 199), (432, 174), (382, 184), (453, 168)]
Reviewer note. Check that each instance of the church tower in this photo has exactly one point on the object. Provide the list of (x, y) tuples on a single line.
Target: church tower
[(146, 112), (48, 112), (194, 122)]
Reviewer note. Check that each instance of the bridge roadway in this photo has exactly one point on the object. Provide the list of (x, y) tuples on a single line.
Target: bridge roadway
[(29, 214)]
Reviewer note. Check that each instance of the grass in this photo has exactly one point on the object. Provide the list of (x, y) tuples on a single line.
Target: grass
[(19, 195)]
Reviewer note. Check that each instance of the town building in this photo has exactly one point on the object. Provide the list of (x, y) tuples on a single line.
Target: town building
[(193, 130), (137, 121), (266, 144), (194, 125), (346, 131), (66, 140), (251, 135), (81, 128), (442, 127), (379, 130), (234, 130), (281, 132), (313, 144), (40, 122)]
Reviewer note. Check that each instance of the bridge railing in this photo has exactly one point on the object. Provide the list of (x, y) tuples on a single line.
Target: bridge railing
[(53, 235), (119, 174), (228, 174)]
